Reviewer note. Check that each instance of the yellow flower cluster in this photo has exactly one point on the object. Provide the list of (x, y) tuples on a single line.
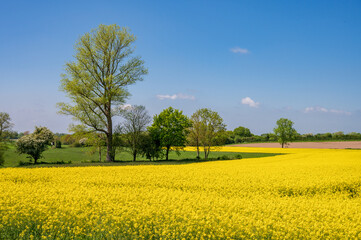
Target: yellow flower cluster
[(304, 193)]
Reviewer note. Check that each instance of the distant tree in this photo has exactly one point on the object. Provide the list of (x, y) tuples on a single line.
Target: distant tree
[(150, 147), (97, 80), (36, 143), (136, 119), (196, 131), (212, 130), (5, 125), (338, 135), (5, 132), (242, 132), (284, 131), (170, 127)]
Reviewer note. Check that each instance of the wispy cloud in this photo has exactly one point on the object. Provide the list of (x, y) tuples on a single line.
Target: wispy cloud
[(175, 96), (239, 50), (248, 101), (325, 110)]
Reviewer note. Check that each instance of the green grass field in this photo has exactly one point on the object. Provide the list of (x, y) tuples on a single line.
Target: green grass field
[(81, 157)]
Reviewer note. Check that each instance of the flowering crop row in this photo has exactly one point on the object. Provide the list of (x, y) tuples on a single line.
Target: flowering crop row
[(305, 193)]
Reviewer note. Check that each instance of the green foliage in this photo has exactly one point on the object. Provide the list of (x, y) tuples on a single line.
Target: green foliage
[(57, 144), (207, 130), (96, 82), (5, 125), (87, 137), (170, 129), (67, 139), (284, 131), (36, 143), (2, 153), (150, 147), (242, 132)]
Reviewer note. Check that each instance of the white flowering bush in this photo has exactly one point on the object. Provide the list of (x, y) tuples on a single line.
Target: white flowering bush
[(35, 144)]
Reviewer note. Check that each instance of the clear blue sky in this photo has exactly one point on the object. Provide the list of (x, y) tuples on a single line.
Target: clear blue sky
[(252, 61)]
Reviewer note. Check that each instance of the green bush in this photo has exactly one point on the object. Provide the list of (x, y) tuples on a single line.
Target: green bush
[(57, 144), (238, 156), (224, 157)]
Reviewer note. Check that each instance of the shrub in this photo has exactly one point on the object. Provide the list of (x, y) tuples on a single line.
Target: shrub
[(238, 156), (35, 144), (223, 157), (57, 144)]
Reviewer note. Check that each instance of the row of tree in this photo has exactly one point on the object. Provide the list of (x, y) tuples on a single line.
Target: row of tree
[(234, 137), (170, 130)]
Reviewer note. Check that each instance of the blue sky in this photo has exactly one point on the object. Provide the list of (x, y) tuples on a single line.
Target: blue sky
[(251, 61)]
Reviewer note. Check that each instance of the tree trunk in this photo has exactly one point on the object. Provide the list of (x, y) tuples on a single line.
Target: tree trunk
[(134, 155), (109, 147), (198, 151), (166, 154), (205, 153), (282, 144), (100, 153), (110, 157)]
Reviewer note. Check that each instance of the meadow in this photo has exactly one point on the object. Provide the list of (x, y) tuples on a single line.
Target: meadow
[(304, 193), (80, 156)]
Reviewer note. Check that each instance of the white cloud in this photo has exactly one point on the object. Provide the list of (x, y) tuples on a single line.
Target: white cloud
[(239, 50), (248, 101), (125, 106), (325, 110), (175, 96)]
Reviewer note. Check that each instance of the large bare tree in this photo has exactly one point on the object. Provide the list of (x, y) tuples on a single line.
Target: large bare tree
[(96, 81)]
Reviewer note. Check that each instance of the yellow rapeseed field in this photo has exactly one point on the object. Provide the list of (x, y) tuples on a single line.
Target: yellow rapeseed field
[(305, 193)]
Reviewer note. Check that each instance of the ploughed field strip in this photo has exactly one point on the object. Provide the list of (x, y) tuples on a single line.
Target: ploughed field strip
[(318, 145), (303, 193)]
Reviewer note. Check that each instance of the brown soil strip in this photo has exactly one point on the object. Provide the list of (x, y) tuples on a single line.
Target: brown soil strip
[(323, 145)]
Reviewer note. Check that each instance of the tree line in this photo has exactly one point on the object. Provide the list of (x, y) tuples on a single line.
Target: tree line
[(96, 82)]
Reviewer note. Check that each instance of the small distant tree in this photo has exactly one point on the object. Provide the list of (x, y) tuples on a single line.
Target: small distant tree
[(170, 127), (136, 119), (284, 131), (5, 125), (212, 130), (36, 143), (242, 132)]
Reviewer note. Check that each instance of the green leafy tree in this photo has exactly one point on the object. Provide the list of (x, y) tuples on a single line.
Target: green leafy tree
[(97, 80), (36, 143), (170, 128), (150, 147), (5, 125), (196, 131), (212, 130), (284, 131), (136, 119), (242, 132)]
